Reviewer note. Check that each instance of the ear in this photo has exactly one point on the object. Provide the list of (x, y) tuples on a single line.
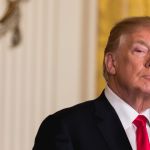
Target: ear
[(110, 63)]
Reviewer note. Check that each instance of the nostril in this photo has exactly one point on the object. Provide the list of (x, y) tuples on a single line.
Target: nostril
[(147, 65)]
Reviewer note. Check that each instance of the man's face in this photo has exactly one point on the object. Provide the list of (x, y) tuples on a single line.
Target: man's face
[(131, 63)]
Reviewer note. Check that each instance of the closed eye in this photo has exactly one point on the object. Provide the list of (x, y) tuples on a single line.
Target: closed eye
[(139, 50)]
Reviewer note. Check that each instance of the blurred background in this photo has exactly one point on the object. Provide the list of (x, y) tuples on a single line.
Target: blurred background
[(51, 54)]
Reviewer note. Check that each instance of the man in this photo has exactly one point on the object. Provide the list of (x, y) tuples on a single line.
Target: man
[(111, 122)]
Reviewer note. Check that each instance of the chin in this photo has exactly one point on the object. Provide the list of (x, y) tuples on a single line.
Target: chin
[(146, 92), (144, 88)]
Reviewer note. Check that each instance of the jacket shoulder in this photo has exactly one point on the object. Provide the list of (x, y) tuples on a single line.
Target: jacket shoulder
[(74, 111)]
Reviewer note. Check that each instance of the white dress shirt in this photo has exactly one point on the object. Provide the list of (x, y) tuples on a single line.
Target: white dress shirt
[(126, 115)]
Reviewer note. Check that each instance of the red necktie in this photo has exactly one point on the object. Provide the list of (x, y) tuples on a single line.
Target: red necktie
[(141, 133)]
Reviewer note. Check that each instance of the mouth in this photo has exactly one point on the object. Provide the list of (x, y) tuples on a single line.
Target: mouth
[(147, 77)]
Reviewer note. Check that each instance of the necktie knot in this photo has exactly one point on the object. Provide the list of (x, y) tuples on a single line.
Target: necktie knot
[(140, 121)]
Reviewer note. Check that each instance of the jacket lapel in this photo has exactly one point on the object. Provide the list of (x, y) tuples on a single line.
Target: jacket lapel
[(110, 126)]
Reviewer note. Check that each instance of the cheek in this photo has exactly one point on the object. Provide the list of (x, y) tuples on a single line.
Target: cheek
[(129, 69), (135, 67)]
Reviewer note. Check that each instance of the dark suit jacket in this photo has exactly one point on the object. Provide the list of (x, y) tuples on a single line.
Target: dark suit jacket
[(92, 125)]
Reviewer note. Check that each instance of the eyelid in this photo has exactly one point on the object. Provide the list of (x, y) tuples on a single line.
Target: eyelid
[(140, 47)]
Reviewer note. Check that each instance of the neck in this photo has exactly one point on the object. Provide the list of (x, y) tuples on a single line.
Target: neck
[(136, 99)]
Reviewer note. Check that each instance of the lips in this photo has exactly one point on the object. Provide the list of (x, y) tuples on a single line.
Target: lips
[(146, 77)]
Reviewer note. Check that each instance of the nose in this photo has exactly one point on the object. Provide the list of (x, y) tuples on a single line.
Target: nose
[(147, 65)]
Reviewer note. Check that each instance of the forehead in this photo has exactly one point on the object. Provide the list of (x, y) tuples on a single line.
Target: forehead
[(140, 35)]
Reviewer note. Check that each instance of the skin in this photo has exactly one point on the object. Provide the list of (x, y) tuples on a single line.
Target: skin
[(128, 68)]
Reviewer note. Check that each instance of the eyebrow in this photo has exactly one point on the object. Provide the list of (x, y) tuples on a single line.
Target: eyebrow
[(143, 43)]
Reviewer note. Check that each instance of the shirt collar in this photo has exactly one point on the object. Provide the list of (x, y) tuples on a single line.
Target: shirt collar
[(125, 112)]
